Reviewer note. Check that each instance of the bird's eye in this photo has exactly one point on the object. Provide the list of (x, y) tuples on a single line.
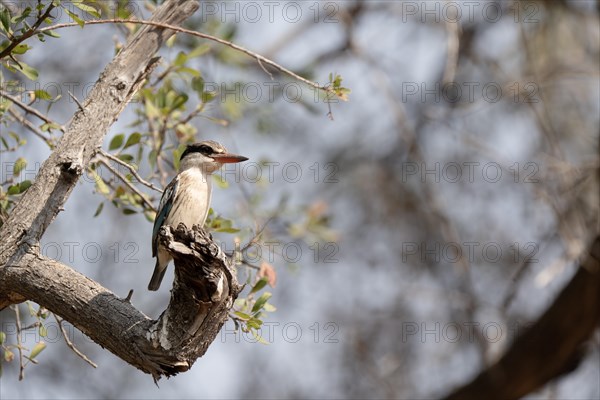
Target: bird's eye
[(206, 150)]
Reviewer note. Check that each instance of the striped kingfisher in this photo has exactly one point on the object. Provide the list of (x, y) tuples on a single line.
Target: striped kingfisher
[(187, 198)]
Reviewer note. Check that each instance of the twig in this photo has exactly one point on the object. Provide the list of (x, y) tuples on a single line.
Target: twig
[(34, 129), (127, 183), (248, 264), (70, 344), (256, 56), (258, 233), (264, 69), (76, 101), (29, 109), (36, 324), (131, 169), (19, 343)]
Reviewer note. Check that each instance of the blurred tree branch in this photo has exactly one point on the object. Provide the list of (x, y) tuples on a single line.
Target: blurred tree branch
[(552, 346)]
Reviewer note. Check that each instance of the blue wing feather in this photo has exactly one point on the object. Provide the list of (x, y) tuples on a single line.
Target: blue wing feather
[(164, 207)]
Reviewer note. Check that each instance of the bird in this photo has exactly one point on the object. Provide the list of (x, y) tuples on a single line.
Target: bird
[(187, 197)]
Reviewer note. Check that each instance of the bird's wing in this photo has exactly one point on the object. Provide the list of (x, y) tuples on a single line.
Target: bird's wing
[(164, 207)]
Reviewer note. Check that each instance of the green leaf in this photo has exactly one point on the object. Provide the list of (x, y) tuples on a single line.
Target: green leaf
[(262, 282), (116, 142), (9, 355), (254, 323), (150, 215), (12, 190), (207, 96), (129, 211), (43, 331), (134, 138), (16, 138), (177, 155), (21, 49), (262, 300), (2, 338), (75, 17), (198, 51), (42, 95), (259, 338), (20, 165), (88, 9), (180, 59), (100, 184), (23, 186), (242, 315), (37, 349), (269, 307), (5, 19), (227, 230), (190, 71), (126, 157), (51, 34), (49, 126), (198, 85), (99, 209), (179, 101), (123, 12), (24, 14), (30, 72)]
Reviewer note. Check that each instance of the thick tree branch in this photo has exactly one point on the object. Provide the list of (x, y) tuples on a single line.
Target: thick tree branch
[(204, 290), (549, 348)]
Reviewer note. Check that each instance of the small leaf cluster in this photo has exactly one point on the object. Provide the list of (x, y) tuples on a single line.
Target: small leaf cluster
[(250, 311), (18, 351), (16, 29)]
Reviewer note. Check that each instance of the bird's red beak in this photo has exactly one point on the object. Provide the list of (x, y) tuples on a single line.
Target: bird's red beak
[(228, 158)]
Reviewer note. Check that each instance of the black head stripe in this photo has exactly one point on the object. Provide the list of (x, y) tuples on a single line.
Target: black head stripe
[(201, 148)]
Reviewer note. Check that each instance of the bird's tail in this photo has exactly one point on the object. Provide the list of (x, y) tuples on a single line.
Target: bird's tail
[(157, 276)]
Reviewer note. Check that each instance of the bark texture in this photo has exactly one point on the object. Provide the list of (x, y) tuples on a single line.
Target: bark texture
[(204, 290), (205, 284)]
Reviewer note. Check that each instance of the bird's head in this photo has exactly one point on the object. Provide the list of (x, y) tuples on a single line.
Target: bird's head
[(208, 155)]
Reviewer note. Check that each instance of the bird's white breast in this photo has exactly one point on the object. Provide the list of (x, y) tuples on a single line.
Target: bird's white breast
[(192, 200)]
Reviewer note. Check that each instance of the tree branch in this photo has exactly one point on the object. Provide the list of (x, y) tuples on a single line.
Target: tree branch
[(131, 169), (204, 290), (259, 58), (549, 348), (28, 109)]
